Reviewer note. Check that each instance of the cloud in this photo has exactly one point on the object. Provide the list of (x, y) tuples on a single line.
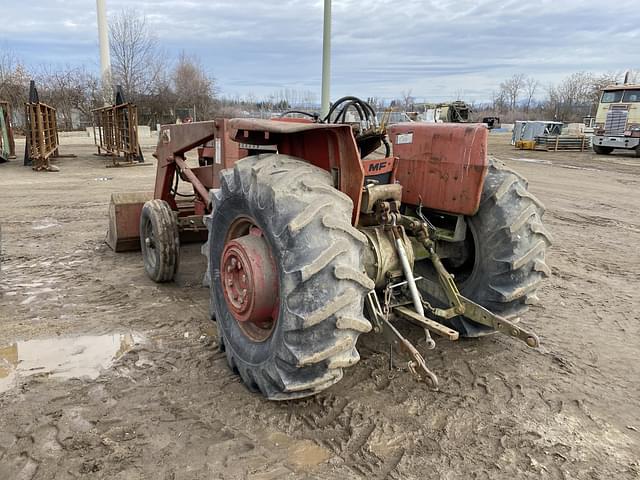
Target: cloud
[(435, 48)]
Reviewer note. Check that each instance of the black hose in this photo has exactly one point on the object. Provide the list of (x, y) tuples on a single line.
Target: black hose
[(368, 112), (342, 100), (373, 113), (315, 116), (174, 190), (345, 109), (364, 109), (387, 147)]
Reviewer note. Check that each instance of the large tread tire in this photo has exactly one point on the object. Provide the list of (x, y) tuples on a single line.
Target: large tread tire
[(600, 150), (322, 285), (510, 244), (161, 255)]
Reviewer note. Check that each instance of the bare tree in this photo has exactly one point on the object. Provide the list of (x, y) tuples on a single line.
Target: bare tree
[(159, 105), (499, 101), (530, 88), (598, 83), (572, 98), (14, 80), (512, 88), (376, 103), (308, 99), (71, 90), (192, 86), (407, 100), (135, 55), (293, 98)]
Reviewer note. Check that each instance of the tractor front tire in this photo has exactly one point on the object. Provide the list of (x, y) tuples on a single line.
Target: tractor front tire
[(280, 220), (159, 241)]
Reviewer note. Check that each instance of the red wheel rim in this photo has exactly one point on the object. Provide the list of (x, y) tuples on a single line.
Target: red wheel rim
[(250, 280)]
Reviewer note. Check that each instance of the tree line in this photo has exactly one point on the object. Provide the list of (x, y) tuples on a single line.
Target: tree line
[(166, 88), (162, 87), (523, 97)]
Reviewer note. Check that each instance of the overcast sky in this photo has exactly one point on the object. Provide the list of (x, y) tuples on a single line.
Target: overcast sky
[(438, 49)]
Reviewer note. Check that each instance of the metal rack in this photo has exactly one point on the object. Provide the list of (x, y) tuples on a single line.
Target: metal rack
[(42, 134), (115, 130)]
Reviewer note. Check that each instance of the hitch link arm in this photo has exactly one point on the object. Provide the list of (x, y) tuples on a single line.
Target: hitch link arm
[(411, 283), (471, 310), (449, 287), (416, 363), (481, 315)]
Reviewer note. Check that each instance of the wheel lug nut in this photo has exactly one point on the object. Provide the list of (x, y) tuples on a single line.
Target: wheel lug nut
[(244, 278), (233, 263)]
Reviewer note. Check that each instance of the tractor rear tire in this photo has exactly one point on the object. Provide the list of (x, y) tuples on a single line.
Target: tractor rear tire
[(317, 315), (509, 245), (600, 150), (159, 241)]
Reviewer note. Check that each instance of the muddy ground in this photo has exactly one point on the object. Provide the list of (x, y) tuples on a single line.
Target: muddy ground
[(155, 399)]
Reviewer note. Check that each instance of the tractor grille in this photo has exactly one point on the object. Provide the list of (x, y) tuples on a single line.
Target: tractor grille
[(616, 122)]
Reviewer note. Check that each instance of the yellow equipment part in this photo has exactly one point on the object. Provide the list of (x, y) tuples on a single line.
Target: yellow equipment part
[(526, 144)]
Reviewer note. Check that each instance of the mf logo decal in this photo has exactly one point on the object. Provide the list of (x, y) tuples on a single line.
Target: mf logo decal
[(376, 167)]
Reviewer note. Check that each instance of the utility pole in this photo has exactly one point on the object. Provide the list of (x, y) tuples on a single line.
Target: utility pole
[(326, 60), (105, 58)]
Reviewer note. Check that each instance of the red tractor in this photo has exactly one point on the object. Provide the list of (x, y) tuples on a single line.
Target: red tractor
[(315, 236)]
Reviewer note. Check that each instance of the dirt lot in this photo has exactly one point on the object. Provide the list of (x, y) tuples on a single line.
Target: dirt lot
[(156, 400)]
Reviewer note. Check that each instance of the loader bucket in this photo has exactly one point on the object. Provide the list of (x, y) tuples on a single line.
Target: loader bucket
[(124, 220)]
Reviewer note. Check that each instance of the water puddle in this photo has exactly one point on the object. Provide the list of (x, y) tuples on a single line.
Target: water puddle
[(532, 160), (62, 357), (44, 224), (300, 454), (549, 162)]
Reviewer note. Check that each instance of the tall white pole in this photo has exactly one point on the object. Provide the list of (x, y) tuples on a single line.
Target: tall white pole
[(326, 60), (105, 58)]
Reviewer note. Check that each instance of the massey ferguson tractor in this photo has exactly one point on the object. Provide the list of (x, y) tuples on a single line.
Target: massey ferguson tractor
[(318, 231)]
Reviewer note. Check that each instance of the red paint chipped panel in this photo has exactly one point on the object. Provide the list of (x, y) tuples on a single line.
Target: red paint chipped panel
[(442, 164)]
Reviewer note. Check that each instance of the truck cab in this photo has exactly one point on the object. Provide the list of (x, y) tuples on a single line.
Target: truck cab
[(617, 122)]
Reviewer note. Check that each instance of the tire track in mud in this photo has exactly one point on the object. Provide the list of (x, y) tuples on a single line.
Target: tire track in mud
[(399, 431), (347, 421), (584, 220), (61, 289), (346, 428), (49, 288), (335, 423)]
